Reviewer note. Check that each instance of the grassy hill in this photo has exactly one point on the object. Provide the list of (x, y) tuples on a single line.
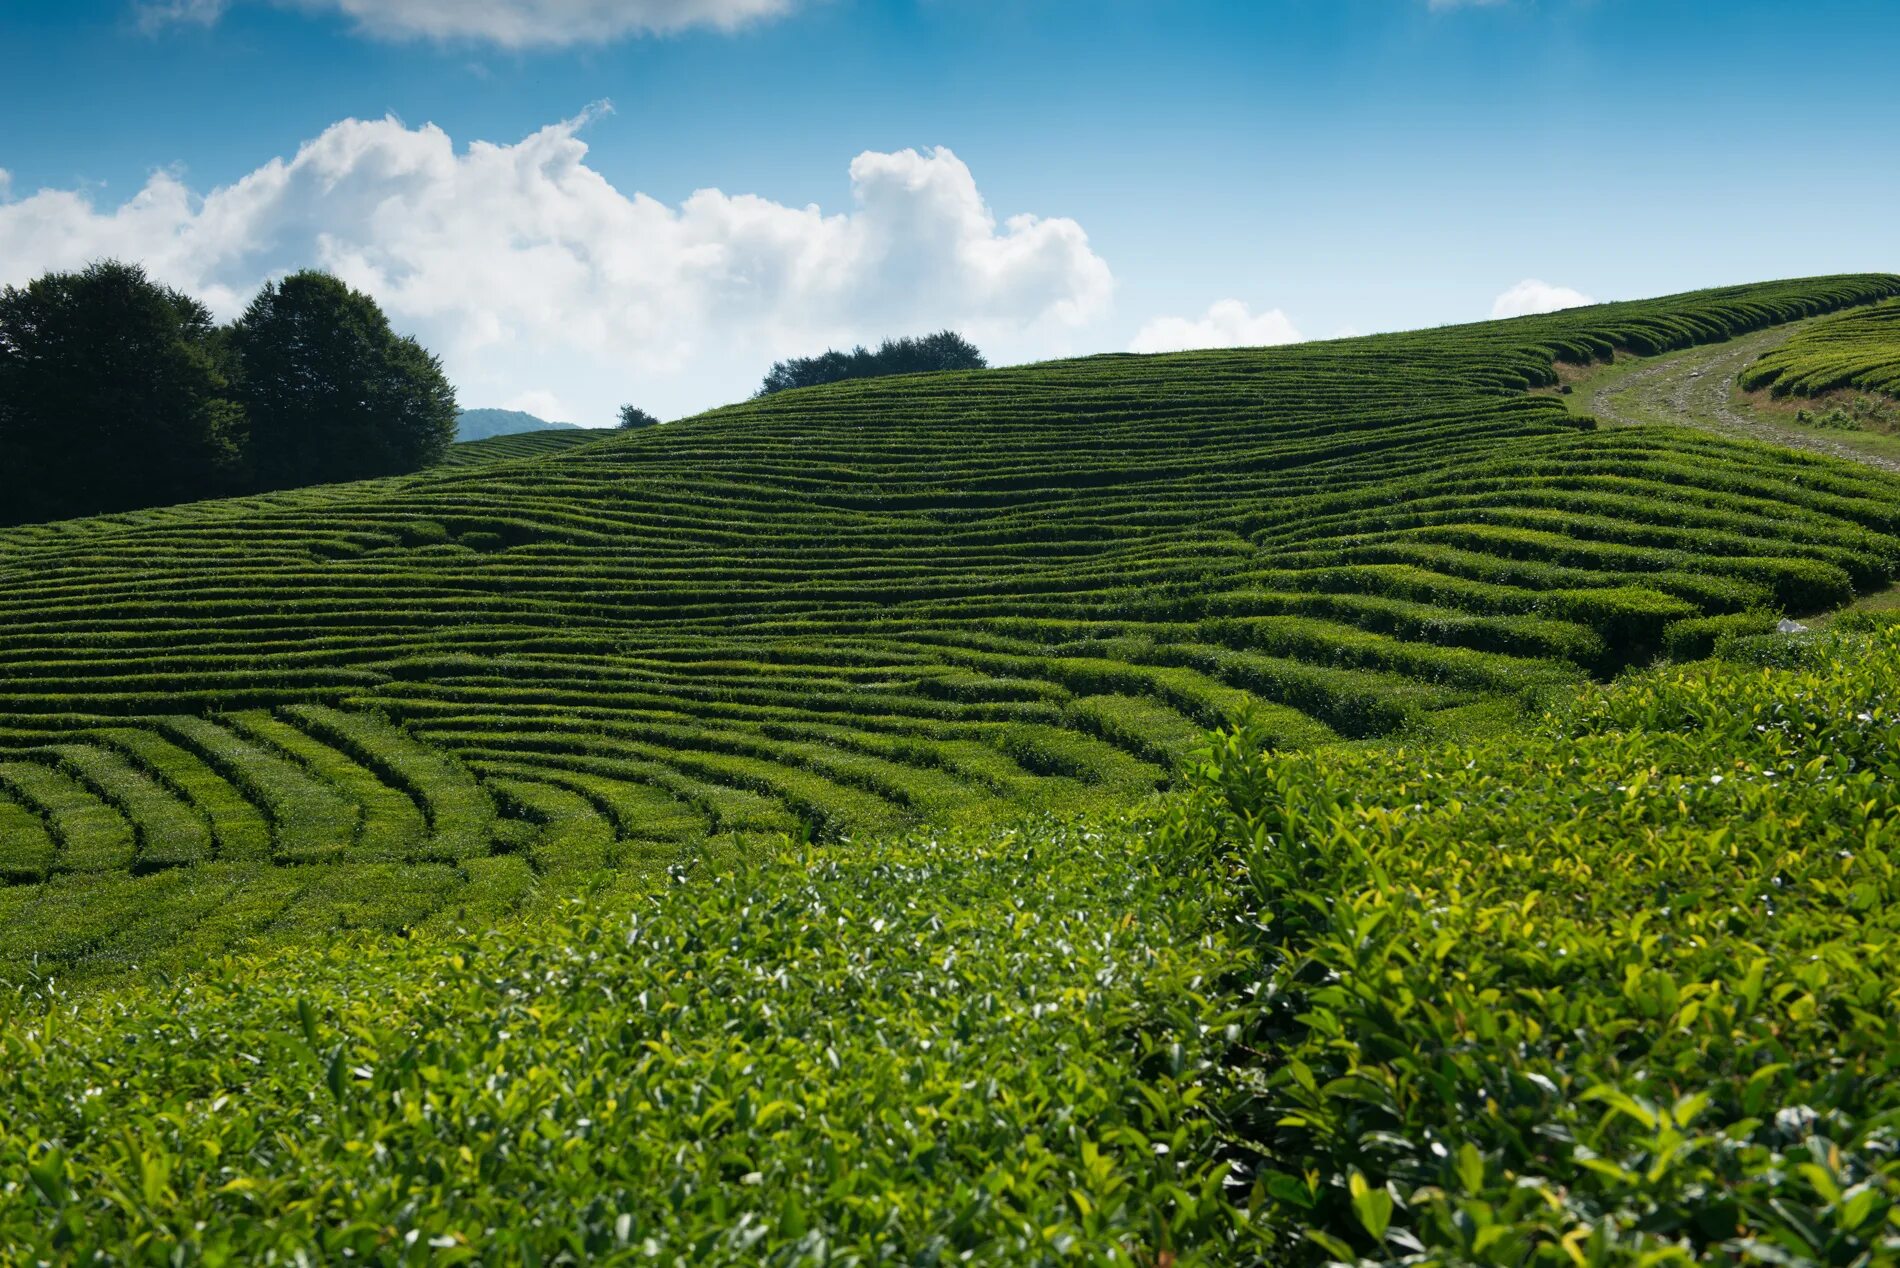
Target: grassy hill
[(840, 712), (857, 609)]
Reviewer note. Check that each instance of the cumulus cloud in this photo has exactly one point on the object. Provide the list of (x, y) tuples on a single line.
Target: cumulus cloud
[(530, 273), (1227, 324), (509, 23), (1532, 296)]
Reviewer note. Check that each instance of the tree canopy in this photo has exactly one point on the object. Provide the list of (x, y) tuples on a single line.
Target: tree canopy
[(632, 418), (331, 391), (111, 397), (117, 393), (945, 350)]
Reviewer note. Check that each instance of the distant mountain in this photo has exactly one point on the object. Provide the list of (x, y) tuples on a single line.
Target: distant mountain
[(480, 424)]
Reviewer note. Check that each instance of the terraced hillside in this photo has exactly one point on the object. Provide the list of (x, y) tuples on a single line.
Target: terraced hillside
[(851, 609), (1858, 350), (528, 444)]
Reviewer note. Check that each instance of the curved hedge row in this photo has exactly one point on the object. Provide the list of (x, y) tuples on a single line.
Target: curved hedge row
[(530, 444), (1859, 350)]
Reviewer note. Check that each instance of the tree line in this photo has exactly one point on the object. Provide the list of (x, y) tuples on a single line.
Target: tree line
[(117, 392), (945, 350)]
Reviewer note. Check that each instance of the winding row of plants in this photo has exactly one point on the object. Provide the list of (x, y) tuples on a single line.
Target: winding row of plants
[(857, 609), (470, 453), (1858, 350)]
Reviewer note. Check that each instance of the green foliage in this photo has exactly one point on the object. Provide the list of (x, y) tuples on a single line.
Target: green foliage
[(1698, 637), (1619, 991), (633, 418), (1858, 349), (330, 392), (862, 608), (110, 397), (1615, 988), (470, 453), (1859, 413), (924, 354), (117, 393), (985, 1048)]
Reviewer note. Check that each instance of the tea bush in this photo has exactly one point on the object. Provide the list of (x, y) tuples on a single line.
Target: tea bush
[(981, 1048), (1620, 991)]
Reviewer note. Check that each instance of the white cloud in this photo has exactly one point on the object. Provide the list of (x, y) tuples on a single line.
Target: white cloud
[(1532, 296), (1227, 324), (540, 403), (155, 14), (530, 273), (509, 23)]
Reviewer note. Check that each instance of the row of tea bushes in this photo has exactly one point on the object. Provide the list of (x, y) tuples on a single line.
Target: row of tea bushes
[(1621, 991), (1858, 349), (873, 606)]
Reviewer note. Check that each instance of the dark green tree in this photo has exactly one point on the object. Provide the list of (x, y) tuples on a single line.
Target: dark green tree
[(632, 418), (331, 392), (110, 397), (945, 350)]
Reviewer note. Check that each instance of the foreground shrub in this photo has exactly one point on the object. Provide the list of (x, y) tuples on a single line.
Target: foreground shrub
[(991, 1049), (1620, 992)]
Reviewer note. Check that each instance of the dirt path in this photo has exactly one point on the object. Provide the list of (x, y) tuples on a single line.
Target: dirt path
[(1694, 388)]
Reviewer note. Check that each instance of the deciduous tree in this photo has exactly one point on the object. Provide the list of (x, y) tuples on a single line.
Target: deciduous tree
[(332, 393), (945, 350), (110, 397)]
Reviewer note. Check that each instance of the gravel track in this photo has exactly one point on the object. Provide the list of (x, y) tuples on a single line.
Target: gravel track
[(1694, 388)]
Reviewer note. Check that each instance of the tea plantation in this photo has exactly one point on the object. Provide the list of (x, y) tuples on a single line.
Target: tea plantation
[(854, 610), (1619, 989), (1859, 350), (515, 445)]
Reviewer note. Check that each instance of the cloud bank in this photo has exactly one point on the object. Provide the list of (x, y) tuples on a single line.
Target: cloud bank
[(1532, 296), (1227, 324), (535, 278), (508, 23)]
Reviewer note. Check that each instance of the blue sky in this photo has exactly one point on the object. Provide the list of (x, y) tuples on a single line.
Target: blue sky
[(1199, 171)]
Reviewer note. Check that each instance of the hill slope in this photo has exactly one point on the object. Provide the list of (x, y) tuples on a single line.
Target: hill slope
[(850, 609), (528, 444), (1855, 350), (1623, 983)]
